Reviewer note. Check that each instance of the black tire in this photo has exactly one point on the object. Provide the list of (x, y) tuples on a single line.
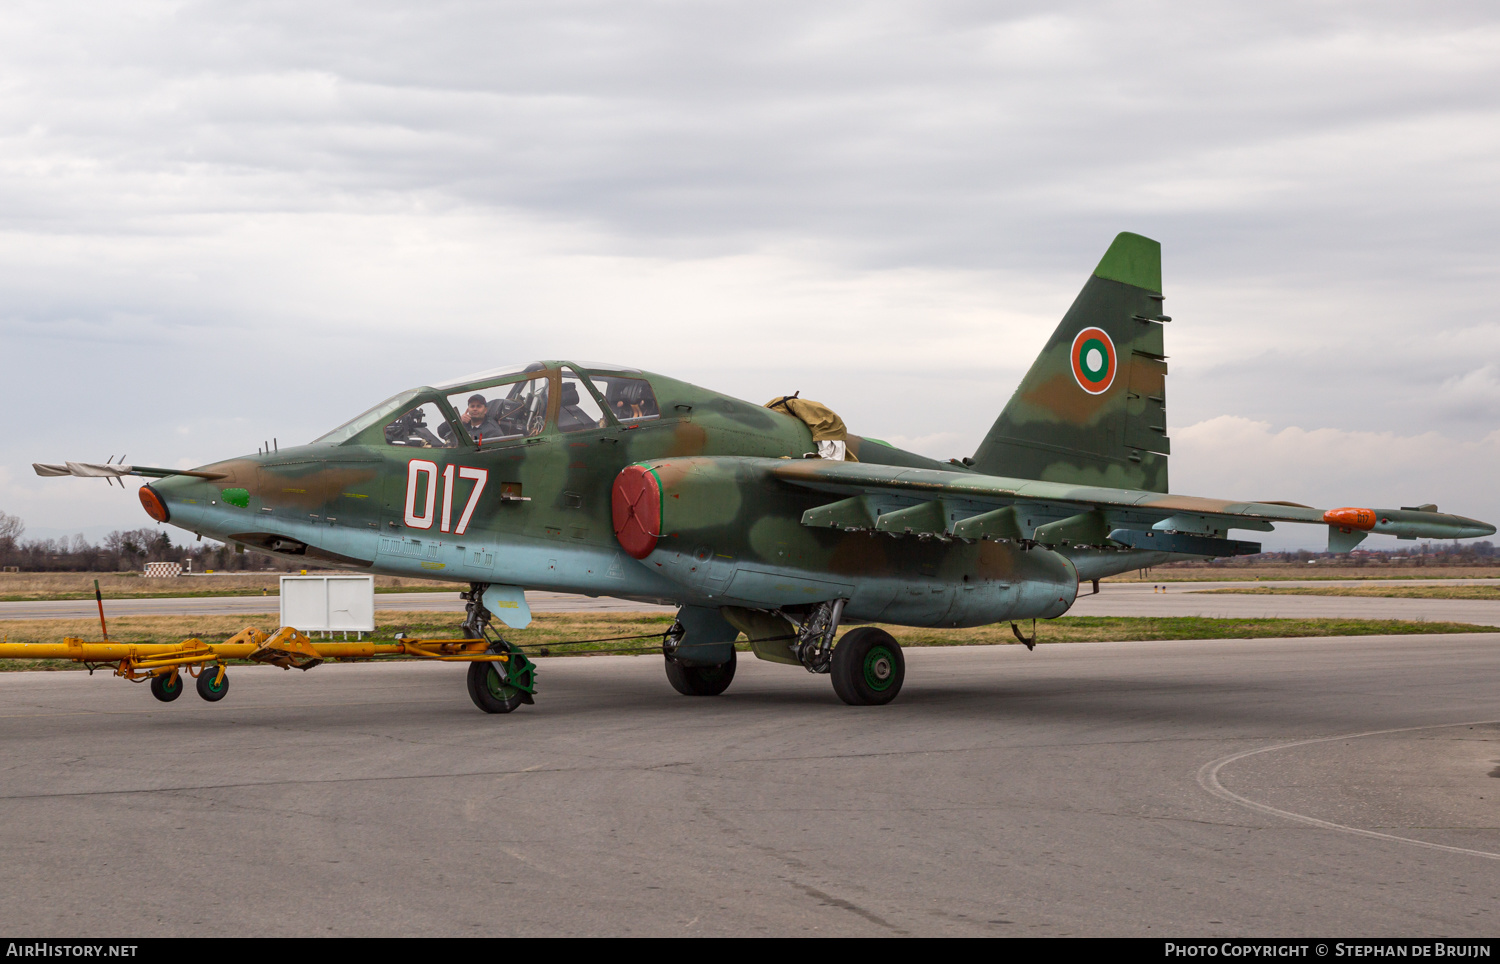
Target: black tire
[(167, 687), (868, 668), (700, 680), (491, 690), (206, 687)]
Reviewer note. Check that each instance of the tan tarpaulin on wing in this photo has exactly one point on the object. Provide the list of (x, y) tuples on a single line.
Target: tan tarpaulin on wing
[(825, 423)]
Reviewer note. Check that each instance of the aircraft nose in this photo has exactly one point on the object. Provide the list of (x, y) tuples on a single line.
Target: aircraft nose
[(154, 505), (163, 499)]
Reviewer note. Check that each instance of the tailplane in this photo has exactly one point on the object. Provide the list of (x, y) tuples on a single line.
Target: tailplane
[(1093, 407)]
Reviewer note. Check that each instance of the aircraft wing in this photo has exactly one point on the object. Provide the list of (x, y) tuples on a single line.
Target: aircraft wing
[(967, 505)]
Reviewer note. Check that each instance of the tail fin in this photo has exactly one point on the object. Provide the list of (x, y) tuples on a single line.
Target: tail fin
[(1093, 408)]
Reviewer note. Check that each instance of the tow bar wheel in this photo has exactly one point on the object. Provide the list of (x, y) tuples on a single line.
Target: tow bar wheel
[(868, 668), (167, 687), (213, 683)]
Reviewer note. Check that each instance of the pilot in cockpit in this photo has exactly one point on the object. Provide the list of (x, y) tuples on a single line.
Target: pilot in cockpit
[(476, 418)]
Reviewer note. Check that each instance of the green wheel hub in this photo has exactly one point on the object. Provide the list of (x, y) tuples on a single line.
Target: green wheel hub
[(867, 667), (879, 667), (499, 686)]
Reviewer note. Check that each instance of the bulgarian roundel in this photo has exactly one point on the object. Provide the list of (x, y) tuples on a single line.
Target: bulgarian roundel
[(1094, 360)]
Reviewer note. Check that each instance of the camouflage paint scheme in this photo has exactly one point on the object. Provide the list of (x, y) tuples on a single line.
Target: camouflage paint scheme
[(1069, 485)]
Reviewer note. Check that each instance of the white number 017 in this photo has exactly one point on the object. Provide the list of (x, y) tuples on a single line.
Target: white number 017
[(419, 467)]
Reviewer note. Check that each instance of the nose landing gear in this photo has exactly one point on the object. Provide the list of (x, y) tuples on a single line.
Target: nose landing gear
[(495, 687)]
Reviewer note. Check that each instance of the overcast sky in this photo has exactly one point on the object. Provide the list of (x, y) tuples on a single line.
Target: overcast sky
[(223, 222)]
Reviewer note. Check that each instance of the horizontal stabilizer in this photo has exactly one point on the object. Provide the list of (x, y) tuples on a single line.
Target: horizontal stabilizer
[(1177, 542)]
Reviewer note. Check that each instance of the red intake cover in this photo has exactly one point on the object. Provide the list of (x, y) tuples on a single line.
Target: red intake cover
[(635, 501), (153, 504)]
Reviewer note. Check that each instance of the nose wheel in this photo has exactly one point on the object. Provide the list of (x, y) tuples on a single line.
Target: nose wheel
[(495, 687), (491, 688), (867, 668)]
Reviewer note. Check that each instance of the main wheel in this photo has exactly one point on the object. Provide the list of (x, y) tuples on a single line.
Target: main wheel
[(212, 685), (700, 680), (166, 687), (867, 667), (491, 690)]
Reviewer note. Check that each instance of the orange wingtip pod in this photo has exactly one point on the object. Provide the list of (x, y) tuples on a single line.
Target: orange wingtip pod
[(1351, 518), (152, 503)]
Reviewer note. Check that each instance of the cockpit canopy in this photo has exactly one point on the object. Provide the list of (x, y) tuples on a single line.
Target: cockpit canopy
[(503, 405)]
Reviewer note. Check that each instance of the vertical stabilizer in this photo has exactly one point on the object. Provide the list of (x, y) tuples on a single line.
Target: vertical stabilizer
[(1093, 407)]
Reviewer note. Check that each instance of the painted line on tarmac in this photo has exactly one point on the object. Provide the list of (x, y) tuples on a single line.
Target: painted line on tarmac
[(1208, 779)]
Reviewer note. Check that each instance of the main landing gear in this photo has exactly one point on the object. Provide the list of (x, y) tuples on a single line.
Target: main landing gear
[(865, 666), (495, 687)]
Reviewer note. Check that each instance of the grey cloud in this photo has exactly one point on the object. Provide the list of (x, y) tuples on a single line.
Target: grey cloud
[(1323, 178)]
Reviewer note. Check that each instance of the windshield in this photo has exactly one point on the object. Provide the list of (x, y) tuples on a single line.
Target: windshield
[(491, 375), (361, 422)]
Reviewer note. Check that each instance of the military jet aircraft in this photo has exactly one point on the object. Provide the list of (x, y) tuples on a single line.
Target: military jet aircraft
[(771, 521)]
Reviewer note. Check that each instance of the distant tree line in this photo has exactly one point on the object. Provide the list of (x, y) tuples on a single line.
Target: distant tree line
[(120, 551), (1483, 553)]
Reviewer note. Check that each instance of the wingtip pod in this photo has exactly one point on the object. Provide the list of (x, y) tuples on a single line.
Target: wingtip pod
[(1408, 523), (1132, 259)]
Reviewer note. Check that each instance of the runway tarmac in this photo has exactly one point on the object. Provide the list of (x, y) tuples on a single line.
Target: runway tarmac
[(1154, 789), (1115, 599)]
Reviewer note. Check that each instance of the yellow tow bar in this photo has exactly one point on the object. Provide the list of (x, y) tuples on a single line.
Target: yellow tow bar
[(162, 663)]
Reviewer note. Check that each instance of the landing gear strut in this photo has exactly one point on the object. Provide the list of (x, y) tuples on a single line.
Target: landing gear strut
[(495, 687), (814, 643)]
